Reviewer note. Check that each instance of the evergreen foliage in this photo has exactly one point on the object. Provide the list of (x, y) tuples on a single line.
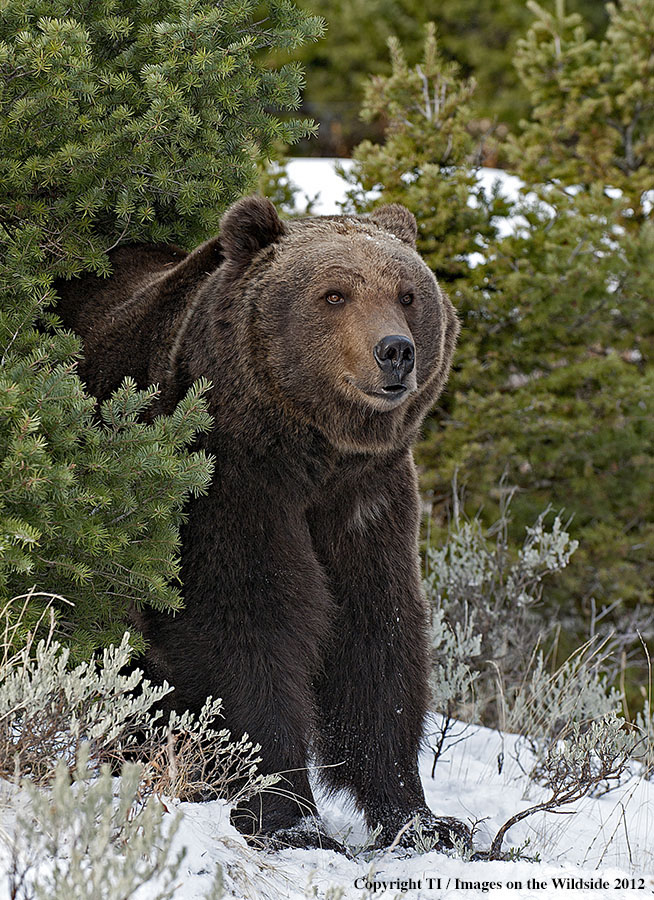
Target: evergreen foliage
[(554, 386), (479, 35), (553, 380), (120, 120), (428, 160), (593, 116)]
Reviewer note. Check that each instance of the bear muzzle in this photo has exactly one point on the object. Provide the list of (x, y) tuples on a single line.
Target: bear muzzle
[(395, 355), (395, 379)]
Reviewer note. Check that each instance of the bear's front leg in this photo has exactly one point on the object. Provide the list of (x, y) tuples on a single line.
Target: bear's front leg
[(252, 632), (373, 692)]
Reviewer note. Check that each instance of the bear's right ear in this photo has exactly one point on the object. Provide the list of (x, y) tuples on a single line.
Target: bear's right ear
[(247, 227)]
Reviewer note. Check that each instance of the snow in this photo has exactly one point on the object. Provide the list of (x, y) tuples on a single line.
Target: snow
[(318, 180), (602, 840)]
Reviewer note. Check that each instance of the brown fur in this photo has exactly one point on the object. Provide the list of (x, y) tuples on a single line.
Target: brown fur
[(301, 579)]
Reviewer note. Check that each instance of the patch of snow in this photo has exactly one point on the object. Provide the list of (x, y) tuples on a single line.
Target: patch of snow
[(509, 185), (318, 179), (604, 841)]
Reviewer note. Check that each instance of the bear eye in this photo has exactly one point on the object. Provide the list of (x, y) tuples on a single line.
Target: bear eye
[(406, 299), (334, 298)]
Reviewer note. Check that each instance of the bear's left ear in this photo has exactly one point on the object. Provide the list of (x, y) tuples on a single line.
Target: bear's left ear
[(398, 220), (247, 227)]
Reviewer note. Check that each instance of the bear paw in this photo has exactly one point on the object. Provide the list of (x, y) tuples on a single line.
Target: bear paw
[(425, 832), (307, 834)]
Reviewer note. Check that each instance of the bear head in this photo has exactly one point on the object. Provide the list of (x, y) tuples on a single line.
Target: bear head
[(345, 326)]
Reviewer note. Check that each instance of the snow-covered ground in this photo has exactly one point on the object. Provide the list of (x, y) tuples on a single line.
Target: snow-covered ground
[(318, 180), (605, 842), (602, 848)]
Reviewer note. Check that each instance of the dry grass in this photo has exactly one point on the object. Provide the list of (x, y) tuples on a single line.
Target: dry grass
[(49, 711)]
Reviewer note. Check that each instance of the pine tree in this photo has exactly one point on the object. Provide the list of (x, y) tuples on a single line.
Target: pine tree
[(120, 120), (593, 115), (568, 343), (553, 389), (553, 382), (429, 159), (479, 35)]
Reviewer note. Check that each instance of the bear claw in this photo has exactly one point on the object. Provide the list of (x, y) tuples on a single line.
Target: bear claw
[(437, 832), (306, 835)]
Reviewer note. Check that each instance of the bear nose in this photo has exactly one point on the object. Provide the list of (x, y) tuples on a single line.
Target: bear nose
[(395, 355)]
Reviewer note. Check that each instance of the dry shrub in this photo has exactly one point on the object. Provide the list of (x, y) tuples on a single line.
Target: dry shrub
[(50, 710)]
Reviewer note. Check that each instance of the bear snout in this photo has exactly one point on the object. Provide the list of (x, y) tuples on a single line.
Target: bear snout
[(395, 355)]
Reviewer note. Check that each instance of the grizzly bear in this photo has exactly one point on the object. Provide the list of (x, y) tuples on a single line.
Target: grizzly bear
[(326, 340)]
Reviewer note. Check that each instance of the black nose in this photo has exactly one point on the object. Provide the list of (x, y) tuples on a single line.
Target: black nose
[(395, 355)]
